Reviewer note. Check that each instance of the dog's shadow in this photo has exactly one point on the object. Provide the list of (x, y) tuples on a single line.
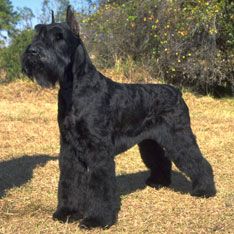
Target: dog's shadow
[(129, 183), (18, 171)]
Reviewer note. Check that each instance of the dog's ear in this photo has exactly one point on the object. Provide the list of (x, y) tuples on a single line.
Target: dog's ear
[(71, 20), (52, 17), (82, 62)]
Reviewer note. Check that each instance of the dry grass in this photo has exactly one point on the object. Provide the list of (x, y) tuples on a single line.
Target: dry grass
[(29, 144)]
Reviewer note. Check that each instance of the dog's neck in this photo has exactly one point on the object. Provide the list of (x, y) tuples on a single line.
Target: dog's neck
[(66, 82)]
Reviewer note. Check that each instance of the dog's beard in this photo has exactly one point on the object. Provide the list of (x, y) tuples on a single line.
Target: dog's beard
[(43, 80), (39, 71)]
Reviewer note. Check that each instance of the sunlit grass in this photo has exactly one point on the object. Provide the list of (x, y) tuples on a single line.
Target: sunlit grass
[(29, 145)]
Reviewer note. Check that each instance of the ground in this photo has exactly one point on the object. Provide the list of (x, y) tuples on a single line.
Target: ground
[(29, 145)]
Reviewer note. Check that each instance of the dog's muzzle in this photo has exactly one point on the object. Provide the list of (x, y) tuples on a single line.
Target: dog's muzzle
[(32, 50), (30, 60)]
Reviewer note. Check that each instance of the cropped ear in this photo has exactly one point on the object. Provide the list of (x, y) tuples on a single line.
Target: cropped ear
[(52, 17), (71, 20)]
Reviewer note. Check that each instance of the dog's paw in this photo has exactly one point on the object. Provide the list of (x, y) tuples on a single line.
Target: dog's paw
[(93, 222), (60, 215), (65, 215), (205, 193), (74, 217), (202, 189), (157, 184)]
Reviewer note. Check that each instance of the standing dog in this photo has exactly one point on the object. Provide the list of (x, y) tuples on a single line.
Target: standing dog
[(99, 118)]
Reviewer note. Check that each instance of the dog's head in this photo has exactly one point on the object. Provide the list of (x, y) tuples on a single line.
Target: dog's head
[(52, 50)]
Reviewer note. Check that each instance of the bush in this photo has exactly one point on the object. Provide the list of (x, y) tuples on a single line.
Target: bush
[(10, 56), (188, 43)]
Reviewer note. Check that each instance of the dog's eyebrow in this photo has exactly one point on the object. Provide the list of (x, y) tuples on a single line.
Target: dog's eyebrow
[(39, 27), (55, 29)]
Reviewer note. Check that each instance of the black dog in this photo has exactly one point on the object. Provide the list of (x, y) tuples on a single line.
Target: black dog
[(99, 118)]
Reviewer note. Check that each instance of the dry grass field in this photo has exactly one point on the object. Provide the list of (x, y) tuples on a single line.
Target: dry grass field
[(29, 146)]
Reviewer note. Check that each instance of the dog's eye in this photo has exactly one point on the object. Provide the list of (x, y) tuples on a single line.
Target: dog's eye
[(58, 36)]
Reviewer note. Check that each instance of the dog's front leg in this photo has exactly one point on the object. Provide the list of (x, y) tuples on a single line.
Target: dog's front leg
[(102, 200), (72, 185)]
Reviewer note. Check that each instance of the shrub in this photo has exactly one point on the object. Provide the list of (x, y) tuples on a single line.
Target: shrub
[(188, 43), (10, 56)]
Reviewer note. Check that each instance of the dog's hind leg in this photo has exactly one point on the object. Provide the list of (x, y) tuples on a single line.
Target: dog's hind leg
[(176, 136), (185, 153), (154, 158)]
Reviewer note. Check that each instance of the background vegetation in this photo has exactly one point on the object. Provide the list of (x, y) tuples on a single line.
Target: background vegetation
[(187, 43)]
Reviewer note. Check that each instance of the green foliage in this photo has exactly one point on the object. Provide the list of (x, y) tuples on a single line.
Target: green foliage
[(226, 25), (188, 43), (10, 56), (8, 17), (185, 42)]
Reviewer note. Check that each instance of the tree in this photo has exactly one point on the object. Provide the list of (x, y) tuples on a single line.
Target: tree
[(8, 18), (44, 17), (58, 6), (61, 10), (26, 15)]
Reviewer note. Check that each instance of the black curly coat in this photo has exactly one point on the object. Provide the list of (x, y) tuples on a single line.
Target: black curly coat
[(99, 118)]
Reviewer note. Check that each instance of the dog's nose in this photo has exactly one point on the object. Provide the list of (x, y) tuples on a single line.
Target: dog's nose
[(32, 50)]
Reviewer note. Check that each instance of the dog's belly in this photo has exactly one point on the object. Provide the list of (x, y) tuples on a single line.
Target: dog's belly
[(122, 147), (123, 142)]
